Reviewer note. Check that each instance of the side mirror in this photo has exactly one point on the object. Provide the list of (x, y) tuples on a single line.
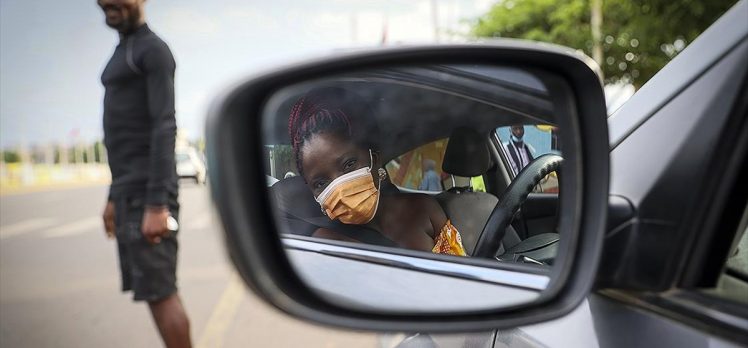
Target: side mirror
[(349, 187)]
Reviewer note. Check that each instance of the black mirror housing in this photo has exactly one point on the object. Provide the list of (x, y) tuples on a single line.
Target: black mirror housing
[(238, 188)]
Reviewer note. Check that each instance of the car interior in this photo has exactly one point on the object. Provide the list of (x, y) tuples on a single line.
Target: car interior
[(412, 111)]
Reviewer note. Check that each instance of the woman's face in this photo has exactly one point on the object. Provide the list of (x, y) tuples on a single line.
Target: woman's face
[(326, 156)]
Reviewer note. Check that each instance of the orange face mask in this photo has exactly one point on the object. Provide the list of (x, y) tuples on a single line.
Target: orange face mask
[(351, 198)]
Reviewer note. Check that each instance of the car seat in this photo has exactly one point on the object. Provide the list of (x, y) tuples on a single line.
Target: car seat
[(467, 155)]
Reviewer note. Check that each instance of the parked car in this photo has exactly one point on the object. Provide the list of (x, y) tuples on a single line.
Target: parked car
[(190, 165), (644, 244)]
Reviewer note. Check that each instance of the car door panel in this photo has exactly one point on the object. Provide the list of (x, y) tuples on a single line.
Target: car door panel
[(539, 213), (653, 171), (424, 340), (576, 329), (619, 325)]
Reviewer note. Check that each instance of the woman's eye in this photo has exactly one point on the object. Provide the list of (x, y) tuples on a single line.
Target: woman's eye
[(320, 184), (349, 164)]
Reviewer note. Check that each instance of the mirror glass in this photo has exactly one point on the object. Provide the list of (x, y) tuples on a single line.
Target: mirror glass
[(430, 188)]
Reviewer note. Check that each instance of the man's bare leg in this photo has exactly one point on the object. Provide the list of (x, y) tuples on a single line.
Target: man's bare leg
[(172, 321)]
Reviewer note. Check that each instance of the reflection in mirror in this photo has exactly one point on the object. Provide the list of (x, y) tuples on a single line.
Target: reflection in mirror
[(430, 188)]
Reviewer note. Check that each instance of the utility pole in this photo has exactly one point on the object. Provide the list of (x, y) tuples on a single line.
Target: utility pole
[(435, 20), (354, 29), (596, 21), (385, 23)]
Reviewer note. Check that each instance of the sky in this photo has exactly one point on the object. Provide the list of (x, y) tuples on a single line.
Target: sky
[(52, 52)]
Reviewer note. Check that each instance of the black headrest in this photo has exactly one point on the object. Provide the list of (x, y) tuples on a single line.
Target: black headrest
[(467, 153), (295, 203)]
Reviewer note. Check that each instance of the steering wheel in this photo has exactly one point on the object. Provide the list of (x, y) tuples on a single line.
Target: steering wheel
[(510, 201)]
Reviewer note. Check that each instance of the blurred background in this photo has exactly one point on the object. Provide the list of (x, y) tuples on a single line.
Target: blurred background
[(52, 54), (58, 275)]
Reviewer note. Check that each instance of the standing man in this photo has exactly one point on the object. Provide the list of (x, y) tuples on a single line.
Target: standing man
[(520, 154), (430, 180), (139, 134)]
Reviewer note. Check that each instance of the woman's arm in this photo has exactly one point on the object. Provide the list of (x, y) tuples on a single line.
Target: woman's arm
[(435, 213), (330, 234), (447, 239)]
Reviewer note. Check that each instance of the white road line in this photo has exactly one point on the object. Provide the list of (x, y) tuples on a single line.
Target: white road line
[(25, 226), (223, 314), (203, 221), (78, 227)]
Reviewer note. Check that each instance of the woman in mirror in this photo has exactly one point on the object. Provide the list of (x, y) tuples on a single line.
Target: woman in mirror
[(333, 135)]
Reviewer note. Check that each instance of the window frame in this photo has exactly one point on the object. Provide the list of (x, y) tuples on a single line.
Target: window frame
[(505, 161)]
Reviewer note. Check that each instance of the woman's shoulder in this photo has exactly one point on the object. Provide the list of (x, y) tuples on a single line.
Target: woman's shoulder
[(420, 199), (423, 204)]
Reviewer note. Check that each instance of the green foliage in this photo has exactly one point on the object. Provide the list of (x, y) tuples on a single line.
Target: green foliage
[(638, 37), (284, 159), (11, 157)]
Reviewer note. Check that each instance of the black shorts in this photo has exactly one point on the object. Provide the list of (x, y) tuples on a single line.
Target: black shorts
[(148, 270)]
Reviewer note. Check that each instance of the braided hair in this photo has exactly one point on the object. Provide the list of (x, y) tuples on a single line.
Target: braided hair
[(330, 110)]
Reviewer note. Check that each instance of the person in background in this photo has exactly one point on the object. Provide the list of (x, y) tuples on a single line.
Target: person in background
[(139, 134), (520, 154), (431, 180)]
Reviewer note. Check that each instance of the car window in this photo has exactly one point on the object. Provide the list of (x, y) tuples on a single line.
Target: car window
[(182, 157), (280, 162), (372, 146), (421, 169), (387, 162), (523, 143)]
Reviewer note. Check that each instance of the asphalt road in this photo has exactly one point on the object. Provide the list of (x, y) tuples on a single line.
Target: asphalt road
[(59, 282)]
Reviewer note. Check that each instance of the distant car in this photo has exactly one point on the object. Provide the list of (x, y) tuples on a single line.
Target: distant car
[(190, 166)]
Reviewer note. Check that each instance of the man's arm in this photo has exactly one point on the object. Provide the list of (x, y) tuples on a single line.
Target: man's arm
[(108, 217), (159, 66)]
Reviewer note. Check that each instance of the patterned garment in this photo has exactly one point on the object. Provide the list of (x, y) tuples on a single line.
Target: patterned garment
[(449, 241)]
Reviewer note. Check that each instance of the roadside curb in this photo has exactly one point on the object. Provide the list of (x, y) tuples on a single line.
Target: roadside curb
[(12, 191)]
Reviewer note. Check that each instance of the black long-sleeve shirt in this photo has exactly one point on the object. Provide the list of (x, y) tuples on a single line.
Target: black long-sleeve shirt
[(139, 118)]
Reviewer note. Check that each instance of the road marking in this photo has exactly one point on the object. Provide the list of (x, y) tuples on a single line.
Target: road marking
[(25, 227), (203, 221), (77, 227), (223, 314), (24, 190)]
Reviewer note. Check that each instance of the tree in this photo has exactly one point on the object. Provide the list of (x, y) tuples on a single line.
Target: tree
[(638, 37), (11, 157)]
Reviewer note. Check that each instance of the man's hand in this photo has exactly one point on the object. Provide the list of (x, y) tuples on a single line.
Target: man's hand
[(108, 216), (154, 223)]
